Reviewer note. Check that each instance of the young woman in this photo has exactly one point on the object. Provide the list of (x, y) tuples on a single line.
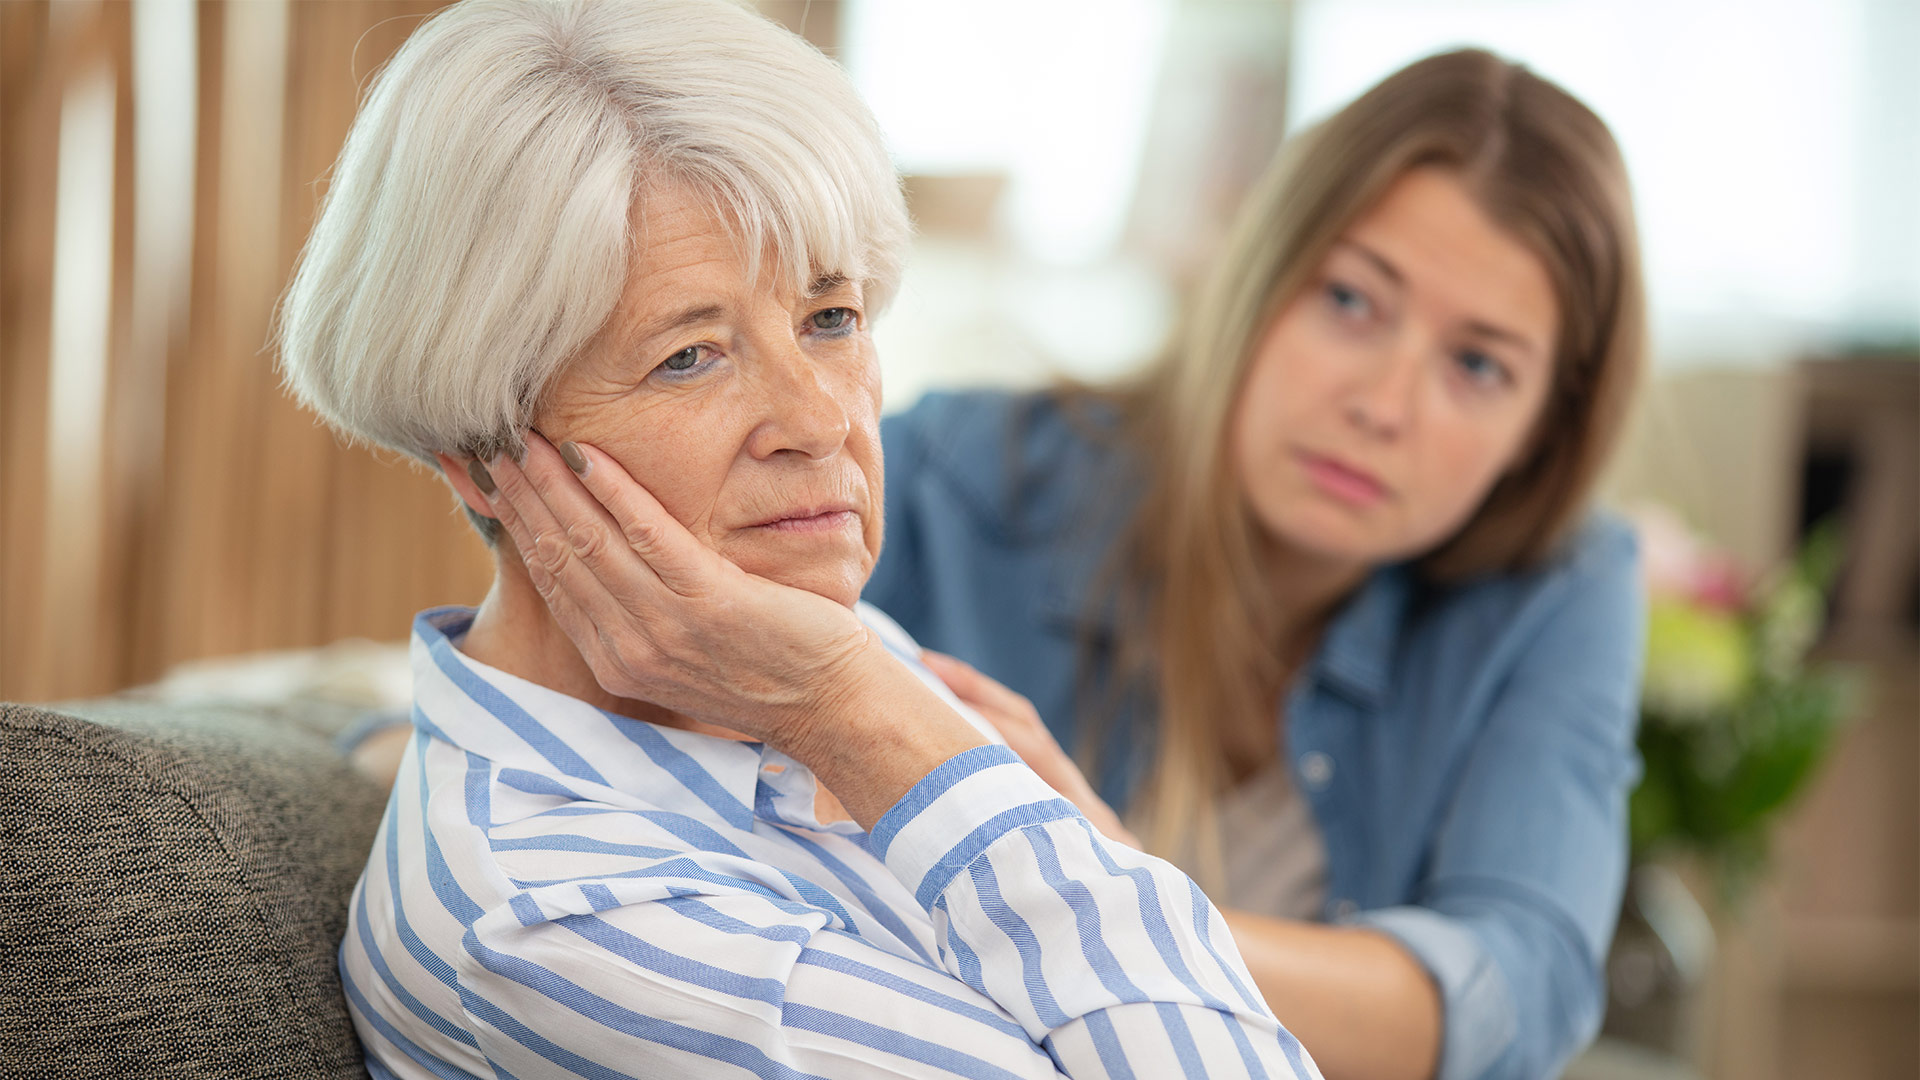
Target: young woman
[(1317, 602)]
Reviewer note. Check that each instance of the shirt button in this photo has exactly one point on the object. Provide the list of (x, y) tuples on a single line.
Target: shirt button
[(1345, 909), (1316, 769)]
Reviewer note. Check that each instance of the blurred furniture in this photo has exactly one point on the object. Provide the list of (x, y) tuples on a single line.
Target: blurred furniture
[(1844, 965), (173, 888), (161, 498), (1818, 974), (1612, 1059)]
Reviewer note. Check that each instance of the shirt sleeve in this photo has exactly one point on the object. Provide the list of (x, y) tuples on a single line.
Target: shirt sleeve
[(1516, 913), (1060, 954)]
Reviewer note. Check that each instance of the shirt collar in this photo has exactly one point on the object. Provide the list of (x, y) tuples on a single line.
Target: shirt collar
[(516, 724), (1356, 654), (1066, 602)]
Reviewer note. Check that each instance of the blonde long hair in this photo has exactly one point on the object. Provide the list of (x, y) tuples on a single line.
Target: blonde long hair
[(1200, 633)]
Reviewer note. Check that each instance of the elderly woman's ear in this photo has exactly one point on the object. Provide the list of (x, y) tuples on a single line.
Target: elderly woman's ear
[(470, 480)]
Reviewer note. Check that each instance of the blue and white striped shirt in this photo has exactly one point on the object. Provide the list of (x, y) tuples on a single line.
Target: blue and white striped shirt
[(559, 891)]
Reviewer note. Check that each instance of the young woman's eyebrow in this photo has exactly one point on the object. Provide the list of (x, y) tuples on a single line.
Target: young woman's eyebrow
[(1379, 261), (1491, 332)]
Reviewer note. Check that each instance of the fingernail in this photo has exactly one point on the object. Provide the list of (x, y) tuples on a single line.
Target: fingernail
[(576, 460), (482, 479)]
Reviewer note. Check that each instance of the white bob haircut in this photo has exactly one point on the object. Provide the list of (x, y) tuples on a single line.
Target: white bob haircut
[(475, 232)]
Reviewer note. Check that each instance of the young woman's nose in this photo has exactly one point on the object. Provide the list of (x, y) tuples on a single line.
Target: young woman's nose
[(1383, 399), (804, 413)]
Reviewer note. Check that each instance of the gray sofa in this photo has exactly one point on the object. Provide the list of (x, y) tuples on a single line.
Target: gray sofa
[(173, 886)]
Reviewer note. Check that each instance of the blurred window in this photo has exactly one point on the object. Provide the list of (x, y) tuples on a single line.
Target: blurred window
[(1774, 146), (1053, 95)]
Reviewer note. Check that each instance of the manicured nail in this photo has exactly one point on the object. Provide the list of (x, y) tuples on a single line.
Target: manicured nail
[(482, 479), (576, 460)]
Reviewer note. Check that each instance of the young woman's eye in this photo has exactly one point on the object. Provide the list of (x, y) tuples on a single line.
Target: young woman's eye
[(834, 320), (1481, 368), (684, 360), (1347, 300)]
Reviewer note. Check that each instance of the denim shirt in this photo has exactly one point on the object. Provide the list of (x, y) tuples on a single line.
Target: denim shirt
[(1467, 751)]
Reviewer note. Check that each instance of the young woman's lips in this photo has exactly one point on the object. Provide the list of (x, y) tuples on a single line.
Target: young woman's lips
[(813, 521), (1342, 482)]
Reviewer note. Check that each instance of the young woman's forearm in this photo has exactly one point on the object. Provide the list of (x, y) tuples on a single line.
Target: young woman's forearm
[(1363, 1007)]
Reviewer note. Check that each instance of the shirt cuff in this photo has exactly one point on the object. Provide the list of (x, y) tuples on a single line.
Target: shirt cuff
[(1478, 1022), (958, 811)]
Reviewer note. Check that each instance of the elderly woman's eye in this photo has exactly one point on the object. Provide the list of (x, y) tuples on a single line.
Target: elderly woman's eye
[(837, 318), (683, 359)]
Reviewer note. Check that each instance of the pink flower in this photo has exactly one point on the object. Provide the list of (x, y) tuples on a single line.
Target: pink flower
[(1677, 564), (1718, 584)]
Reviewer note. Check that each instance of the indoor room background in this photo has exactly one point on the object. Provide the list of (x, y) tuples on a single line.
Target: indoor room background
[(1071, 166)]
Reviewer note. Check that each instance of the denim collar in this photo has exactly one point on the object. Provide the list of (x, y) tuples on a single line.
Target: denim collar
[(1356, 654)]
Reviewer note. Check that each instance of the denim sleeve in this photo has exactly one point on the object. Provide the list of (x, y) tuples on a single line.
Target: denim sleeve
[(897, 585), (1515, 915)]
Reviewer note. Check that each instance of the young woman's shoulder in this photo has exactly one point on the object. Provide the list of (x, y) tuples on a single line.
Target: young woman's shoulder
[(1021, 464), (1583, 608), (1603, 544), (1600, 552)]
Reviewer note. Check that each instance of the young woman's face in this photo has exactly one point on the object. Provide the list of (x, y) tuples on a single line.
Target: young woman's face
[(1387, 398)]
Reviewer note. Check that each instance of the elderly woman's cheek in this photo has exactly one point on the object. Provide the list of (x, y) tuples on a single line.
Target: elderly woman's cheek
[(679, 449)]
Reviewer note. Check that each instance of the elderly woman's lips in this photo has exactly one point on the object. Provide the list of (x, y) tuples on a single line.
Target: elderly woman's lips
[(823, 521)]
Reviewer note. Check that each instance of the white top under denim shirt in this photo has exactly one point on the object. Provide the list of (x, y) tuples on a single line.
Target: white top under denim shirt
[(1465, 750), (557, 891)]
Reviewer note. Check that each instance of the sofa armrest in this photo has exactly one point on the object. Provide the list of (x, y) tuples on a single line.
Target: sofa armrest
[(173, 889)]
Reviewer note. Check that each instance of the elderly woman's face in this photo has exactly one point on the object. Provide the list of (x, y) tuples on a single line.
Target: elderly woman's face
[(749, 411)]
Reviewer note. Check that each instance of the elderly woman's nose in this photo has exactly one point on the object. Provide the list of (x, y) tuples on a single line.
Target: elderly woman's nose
[(805, 412)]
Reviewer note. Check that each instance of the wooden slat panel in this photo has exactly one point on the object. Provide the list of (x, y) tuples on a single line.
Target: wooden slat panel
[(160, 346), (183, 616), (130, 410), (231, 520), (51, 533), (29, 136), (171, 611)]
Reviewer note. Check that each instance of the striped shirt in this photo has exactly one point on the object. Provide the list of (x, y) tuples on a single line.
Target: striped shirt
[(559, 891)]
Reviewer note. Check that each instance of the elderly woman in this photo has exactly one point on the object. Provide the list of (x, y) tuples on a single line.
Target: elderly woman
[(674, 805)]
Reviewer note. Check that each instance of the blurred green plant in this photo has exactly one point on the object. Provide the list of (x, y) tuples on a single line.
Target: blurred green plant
[(1733, 718)]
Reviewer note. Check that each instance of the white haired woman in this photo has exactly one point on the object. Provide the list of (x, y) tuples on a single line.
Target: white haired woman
[(674, 805)]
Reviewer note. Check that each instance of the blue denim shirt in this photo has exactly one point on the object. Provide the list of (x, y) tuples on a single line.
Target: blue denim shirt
[(1467, 751)]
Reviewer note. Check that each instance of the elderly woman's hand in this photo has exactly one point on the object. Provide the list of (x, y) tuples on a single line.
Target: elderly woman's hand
[(658, 616)]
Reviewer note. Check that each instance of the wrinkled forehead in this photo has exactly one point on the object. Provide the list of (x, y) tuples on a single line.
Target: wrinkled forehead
[(693, 261), (782, 240)]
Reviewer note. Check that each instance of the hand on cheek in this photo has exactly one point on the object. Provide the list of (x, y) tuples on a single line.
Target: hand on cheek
[(657, 615)]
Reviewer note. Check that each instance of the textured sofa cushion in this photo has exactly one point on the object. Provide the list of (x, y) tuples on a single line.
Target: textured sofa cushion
[(173, 886)]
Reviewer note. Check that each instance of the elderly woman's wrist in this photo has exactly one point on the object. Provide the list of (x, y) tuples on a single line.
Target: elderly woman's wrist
[(875, 732), (850, 701)]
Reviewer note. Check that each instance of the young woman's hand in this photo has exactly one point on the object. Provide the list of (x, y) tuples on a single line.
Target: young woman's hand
[(1027, 735)]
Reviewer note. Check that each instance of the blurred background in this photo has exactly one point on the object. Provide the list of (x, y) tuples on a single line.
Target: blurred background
[(1071, 165)]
